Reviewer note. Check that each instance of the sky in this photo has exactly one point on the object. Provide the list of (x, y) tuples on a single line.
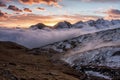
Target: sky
[(24, 13)]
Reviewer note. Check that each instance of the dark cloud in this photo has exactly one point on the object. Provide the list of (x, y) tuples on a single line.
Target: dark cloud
[(3, 15), (27, 10), (2, 4), (14, 8), (113, 11), (113, 14), (41, 9)]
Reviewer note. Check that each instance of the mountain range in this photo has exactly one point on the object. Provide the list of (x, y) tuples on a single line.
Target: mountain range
[(90, 49), (100, 23)]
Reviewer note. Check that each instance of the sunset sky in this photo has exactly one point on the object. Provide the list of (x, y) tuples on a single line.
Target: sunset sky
[(24, 13)]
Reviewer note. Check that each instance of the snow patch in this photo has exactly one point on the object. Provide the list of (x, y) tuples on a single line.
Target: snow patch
[(97, 74)]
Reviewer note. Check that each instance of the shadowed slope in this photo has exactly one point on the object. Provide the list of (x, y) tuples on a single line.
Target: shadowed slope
[(16, 63)]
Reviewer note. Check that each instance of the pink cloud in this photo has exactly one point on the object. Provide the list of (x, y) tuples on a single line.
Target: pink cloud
[(2, 4)]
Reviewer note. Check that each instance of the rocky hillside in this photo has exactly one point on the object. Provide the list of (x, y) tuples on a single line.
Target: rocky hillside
[(91, 53), (19, 63), (95, 54), (87, 41)]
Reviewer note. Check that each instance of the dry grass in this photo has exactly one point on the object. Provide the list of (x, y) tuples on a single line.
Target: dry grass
[(16, 60)]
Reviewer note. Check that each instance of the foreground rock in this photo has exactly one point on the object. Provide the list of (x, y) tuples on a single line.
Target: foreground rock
[(16, 63)]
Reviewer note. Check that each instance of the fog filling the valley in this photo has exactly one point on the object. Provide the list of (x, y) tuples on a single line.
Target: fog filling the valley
[(36, 38)]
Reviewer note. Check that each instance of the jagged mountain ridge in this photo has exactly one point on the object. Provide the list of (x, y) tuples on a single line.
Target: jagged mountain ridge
[(59, 25), (100, 23), (96, 53), (96, 47), (38, 26)]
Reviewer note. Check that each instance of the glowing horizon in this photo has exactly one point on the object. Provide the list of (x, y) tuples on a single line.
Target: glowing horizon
[(24, 13)]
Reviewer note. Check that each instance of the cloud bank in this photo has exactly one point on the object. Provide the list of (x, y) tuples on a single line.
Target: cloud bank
[(36, 38)]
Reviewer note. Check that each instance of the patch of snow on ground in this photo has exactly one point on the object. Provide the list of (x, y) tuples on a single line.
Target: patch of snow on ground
[(97, 74)]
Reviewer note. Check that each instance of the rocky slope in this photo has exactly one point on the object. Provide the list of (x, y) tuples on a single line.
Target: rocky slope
[(19, 63), (87, 41), (96, 54)]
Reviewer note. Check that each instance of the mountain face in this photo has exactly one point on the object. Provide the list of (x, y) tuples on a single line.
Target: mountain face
[(95, 53), (39, 26), (18, 63), (62, 25), (93, 49)]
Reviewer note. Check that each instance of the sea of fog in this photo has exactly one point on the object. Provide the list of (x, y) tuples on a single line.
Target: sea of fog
[(41, 37)]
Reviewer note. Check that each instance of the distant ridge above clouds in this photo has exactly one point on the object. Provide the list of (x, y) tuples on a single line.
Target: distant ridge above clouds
[(41, 35), (100, 23)]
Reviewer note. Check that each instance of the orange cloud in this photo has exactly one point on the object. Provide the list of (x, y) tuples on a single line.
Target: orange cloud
[(48, 2), (14, 8), (100, 0), (27, 10), (27, 20)]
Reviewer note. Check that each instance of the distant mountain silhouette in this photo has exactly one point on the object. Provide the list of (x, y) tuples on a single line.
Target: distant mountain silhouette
[(98, 24), (39, 26), (63, 24)]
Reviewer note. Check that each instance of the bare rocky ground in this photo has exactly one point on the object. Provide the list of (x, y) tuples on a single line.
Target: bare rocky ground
[(20, 63), (17, 63)]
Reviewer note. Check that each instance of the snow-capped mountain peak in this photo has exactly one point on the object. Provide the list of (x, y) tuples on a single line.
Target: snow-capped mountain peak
[(62, 25), (91, 24)]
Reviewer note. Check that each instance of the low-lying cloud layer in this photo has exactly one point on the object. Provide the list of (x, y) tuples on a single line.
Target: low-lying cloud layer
[(36, 38)]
